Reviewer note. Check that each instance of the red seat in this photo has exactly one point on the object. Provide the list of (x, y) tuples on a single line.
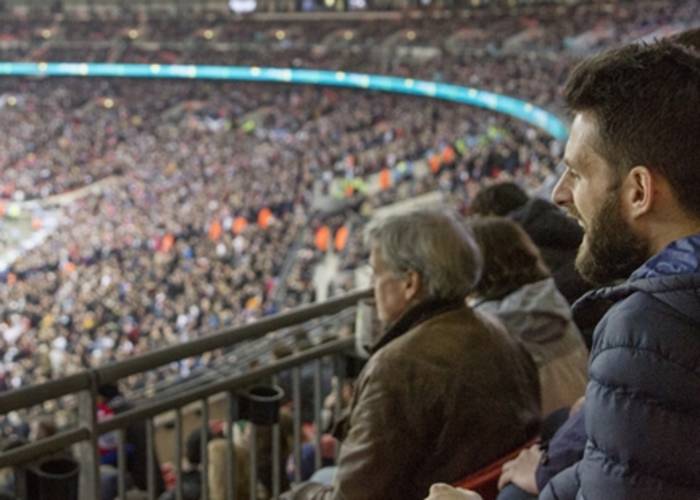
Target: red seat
[(485, 480)]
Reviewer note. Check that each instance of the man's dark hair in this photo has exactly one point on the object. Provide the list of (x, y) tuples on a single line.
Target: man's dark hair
[(645, 99), (108, 391), (499, 199), (689, 39)]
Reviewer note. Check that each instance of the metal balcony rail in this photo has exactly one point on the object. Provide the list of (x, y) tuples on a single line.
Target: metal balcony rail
[(84, 385)]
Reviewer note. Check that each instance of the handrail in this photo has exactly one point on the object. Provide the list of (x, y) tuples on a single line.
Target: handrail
[(47, 446), (82, 439), (237, 381), (32, 395), (65, 439), (217, 366), (36, 394), (112, 373)]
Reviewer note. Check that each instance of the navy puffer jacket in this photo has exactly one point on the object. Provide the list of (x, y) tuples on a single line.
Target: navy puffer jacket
[(643, 396)]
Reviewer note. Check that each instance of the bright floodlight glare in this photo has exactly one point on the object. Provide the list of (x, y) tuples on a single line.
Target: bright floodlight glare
[(242, 6)]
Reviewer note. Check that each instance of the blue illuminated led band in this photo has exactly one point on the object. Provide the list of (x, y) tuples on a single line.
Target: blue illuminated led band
[(465, 95)]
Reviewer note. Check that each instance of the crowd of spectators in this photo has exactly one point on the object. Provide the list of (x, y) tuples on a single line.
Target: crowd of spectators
[(152, 257), (198, 191)]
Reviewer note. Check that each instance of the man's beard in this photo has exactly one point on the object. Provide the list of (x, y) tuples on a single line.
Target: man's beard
[(610, 250)]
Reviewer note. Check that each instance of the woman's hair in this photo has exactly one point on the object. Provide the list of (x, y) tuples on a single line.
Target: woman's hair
[(511, 259)]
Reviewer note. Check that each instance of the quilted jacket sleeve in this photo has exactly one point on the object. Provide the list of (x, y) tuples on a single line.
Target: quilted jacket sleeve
[(563, 486), (642, 407)]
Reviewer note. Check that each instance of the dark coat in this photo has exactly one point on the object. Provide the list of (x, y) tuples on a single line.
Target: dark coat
[(558, 237), (446, 392), (642, 409), (563, 450)]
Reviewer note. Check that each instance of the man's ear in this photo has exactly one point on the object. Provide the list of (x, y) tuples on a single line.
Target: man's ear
[(412, 285), (638, 192)]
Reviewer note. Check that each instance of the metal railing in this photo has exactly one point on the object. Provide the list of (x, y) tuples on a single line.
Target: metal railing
[(85, 385)]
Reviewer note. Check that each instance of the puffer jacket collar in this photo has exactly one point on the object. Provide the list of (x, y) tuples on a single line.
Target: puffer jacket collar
[(671, 276), (414, 316)]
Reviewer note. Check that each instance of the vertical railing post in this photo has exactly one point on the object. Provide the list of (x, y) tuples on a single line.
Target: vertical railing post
[(231, 416), (178, 454), (121, 464), (340, 369), (151, 459), (205, 450), (275, 453), (317, 414), (88, 454), (253, 460), (296, 408), (21, 483)]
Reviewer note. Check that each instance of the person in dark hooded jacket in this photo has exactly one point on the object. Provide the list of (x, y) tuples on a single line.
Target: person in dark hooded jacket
[(632, 181), (556, 235)]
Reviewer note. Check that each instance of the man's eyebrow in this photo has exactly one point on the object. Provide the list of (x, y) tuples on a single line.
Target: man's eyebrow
[(578, 167)]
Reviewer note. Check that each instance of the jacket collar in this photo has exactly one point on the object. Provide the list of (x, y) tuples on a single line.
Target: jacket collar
[(680, 257), (667, 275), (414, 316)]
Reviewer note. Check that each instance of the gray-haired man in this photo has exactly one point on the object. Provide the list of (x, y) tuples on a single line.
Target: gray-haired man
[(445, 391)]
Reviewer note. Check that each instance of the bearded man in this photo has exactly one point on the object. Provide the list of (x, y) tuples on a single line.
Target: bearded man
[(633, 183)]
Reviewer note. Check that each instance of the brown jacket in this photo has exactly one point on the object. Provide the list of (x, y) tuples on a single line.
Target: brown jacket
[(446, 393)]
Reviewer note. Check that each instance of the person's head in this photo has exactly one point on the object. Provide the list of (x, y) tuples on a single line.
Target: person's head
[(420, 256), (107, 392), (281, 350), (633, 164), (689, 38), (511, 259), (499, 199), (42, 428)]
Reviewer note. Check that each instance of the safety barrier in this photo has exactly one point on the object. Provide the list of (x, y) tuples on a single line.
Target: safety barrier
[(237, 387)]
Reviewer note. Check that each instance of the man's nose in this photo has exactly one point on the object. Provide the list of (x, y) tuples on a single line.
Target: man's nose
[(562, 195)]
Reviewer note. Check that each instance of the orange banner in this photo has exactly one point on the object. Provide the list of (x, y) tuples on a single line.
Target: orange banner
[(167, 243), (385, 179), (323, 235), (341, 238), (264, 218), (239, 225), (435, 163), (448, 155), (215, 230)]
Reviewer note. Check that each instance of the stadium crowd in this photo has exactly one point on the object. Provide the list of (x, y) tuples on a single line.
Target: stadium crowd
[(157, 255), (180, 211)]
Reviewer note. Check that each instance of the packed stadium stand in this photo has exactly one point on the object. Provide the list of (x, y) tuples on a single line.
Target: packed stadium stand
[(143, 214)]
